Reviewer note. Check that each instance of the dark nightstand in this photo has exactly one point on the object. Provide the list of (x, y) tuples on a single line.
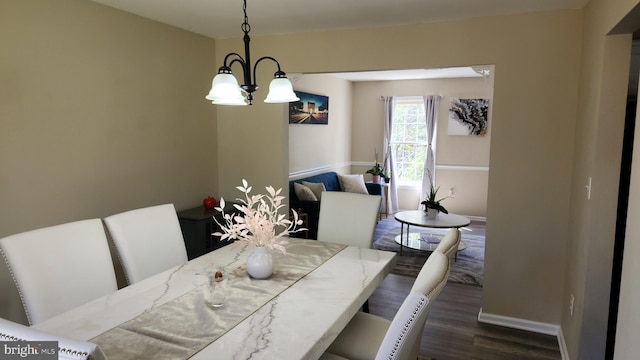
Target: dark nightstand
[(197, 226)]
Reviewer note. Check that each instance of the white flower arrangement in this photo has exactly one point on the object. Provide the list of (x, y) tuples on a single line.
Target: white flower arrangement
[(258, 220)]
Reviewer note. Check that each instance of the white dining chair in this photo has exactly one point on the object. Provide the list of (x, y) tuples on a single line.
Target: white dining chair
[(433, 276), (348, 218), (60, 267), (147, 240), (368, 337), (449, 243), (68, 349)]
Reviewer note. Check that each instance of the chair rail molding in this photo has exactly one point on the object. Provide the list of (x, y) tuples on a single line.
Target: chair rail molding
[(438, 167), (317, 170), (320, 169), (462, 167)]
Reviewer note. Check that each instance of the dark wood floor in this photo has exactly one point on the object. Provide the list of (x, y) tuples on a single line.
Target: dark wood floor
[(453, 332)]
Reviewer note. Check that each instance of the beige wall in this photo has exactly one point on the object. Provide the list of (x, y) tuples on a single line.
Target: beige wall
[(604, 77), (101, 112), (360, 131), (457, 157), (319, 148), (533, 119), (253, 141)]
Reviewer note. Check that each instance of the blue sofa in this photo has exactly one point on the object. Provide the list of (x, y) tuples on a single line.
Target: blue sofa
[(312, 208)]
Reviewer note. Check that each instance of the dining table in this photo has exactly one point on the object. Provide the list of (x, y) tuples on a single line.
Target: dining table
[(296, 313)]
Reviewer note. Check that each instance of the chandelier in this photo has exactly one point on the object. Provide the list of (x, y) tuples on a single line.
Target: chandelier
[(225, 89)]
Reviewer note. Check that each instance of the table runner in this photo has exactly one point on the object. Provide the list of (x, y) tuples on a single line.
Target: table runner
[(181, 327)]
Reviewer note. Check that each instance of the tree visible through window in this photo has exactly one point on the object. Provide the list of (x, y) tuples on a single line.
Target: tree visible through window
[(409, 139)]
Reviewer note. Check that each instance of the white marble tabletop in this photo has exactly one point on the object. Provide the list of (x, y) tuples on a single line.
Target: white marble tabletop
[(299, 323)]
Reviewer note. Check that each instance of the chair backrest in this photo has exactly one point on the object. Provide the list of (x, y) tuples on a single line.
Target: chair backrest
[(348, 218), (405, 331), (433, 276), (429, 283), (148, 240), (449, 243), (67, 348), (60, 267)]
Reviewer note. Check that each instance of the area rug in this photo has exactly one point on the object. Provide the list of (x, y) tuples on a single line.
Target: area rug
[(467, 269)]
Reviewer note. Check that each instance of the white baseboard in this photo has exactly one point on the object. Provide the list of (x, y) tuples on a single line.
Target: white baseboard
[(521, 324), (563, 345), (527, 325)]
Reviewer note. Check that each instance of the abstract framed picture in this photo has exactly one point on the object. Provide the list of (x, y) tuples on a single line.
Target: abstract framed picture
[(310, 109), (468, 117)]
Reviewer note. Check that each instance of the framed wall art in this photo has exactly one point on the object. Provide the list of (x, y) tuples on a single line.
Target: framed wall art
[(468, 117), (310, 109)]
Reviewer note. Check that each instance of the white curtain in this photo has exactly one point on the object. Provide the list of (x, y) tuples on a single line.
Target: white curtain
[(389, 165), (431, 104)]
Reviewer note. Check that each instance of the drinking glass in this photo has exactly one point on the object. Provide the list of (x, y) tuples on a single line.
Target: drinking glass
[(217, 288)]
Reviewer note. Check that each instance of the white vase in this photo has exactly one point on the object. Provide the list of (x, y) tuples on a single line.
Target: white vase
[(432, 213), (260, 263)]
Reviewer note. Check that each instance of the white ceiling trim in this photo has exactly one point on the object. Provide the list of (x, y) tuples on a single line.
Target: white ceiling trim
[(411, 74)]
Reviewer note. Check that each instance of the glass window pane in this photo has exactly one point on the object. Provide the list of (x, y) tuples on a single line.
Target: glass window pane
[(409, 135)]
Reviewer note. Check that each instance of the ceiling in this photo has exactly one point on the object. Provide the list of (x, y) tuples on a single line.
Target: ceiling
[(222, 18)]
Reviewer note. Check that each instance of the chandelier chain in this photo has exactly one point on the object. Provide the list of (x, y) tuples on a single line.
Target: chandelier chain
[(245, 25)]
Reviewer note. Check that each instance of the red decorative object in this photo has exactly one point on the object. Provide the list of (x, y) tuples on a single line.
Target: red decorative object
[(209, 202)]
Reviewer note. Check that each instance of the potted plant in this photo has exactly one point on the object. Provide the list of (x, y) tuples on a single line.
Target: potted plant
[(432, 204), (387, 176), (376, 171), (385, 168)]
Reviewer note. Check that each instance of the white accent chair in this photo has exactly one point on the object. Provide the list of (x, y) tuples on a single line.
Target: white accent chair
[(68, 349), (370, 337), (148, 241), (60, 267), (348, 218), (449, 243)]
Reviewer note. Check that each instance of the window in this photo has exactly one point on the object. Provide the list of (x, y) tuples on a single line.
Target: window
[(409, 139)]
